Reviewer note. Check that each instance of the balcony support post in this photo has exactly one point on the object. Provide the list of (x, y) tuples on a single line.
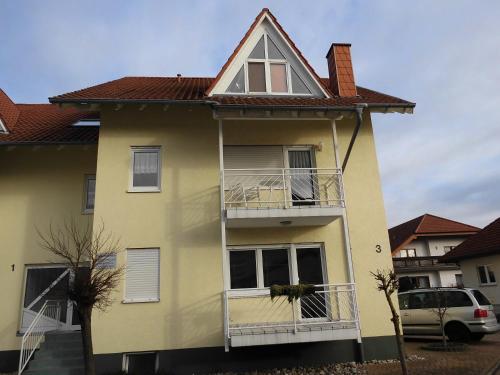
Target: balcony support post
[(223, 234), (347, 242)]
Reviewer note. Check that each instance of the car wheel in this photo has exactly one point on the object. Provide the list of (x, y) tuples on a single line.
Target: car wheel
[(457, 332), (476, 336)]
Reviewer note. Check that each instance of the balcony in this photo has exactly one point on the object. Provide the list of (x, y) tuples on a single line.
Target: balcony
[(283, 196), (251, 317), (415, 264)]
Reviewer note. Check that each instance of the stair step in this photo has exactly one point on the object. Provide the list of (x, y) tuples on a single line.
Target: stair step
[(63, 337), (39, 363), (67, 352), (56, 370)]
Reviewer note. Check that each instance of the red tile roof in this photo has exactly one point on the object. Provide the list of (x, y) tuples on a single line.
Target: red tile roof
[(49, 124), (8, 111), (164, 89), (484, 243), (426, 224)]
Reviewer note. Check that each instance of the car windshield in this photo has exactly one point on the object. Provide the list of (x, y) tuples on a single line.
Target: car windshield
[(481, 298)]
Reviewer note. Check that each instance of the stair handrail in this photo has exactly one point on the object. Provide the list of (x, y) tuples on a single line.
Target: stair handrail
[(35, 333)]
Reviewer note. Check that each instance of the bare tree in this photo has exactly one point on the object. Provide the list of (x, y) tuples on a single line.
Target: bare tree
[(387, 282), (440, 310), (90, 255)]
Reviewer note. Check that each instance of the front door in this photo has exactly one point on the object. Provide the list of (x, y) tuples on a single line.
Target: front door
[(48, 283), (310, 271), (302, 177)]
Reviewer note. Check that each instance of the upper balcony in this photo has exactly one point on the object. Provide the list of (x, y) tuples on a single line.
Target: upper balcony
[(277, 197), (416, 264)]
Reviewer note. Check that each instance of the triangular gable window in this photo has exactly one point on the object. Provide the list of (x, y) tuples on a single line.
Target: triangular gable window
[(267, 71)]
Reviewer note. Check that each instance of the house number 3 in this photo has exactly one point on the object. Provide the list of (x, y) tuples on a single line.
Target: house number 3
[(378, 249)]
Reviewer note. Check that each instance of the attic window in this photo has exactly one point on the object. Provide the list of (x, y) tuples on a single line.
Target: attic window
[(3, 128), (88, 122), (267, 71)]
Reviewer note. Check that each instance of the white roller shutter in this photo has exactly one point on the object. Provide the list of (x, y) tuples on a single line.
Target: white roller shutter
[(253, 157), (142, 281)]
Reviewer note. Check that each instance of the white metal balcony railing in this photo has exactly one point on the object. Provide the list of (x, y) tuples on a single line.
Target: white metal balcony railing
[(47, 319), (252, 312), (283, 188)]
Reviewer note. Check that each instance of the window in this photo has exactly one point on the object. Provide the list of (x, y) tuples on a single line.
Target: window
[(88, 122), (89, 194), (145, 169), (142, 275), (420, 281), (447, 249), (486, 275), (267, 71), (459, 280), (243, 269), (265, 266), (480, 298), (424, 300), (140, 363), (3, 128), (408, 253), (404, 301), (454, 299)]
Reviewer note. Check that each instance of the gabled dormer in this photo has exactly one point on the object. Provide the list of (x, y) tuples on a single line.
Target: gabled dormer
[(267, 62)]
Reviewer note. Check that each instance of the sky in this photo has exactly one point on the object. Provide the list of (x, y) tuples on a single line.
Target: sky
[(444, 55)]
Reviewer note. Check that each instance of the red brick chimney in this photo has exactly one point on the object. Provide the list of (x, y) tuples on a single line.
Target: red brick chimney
[(8, 110), (340, 69)]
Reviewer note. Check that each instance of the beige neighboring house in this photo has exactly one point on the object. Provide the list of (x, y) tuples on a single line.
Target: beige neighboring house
[(418, 244), (479, 259)]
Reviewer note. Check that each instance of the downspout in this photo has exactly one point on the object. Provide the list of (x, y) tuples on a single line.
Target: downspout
[(359, 121), (345, 227), (223, 237)]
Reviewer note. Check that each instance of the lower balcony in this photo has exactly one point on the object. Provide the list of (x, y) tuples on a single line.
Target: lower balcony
[(253, 318), (282, 197), (416, 264)]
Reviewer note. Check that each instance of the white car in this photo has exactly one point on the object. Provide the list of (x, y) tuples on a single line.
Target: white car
[(469, 314)]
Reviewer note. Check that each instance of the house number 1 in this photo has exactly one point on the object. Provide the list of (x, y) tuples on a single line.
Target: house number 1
[(378, 249)]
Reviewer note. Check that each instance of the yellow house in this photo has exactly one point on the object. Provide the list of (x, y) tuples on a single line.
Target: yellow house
[(218, 188)]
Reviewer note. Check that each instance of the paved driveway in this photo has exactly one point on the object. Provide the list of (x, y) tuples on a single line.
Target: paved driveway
[(478, 359)]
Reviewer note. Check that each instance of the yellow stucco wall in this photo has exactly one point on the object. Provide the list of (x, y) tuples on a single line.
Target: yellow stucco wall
[(183, 219), (38, 185)]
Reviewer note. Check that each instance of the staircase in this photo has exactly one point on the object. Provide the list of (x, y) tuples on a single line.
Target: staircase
[(61, 353)]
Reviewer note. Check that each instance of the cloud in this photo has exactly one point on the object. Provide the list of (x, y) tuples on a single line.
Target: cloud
[(442, 55)]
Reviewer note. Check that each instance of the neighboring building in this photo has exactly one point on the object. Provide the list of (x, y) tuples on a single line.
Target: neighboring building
[(218, 188), (418, 244), (479, 259)]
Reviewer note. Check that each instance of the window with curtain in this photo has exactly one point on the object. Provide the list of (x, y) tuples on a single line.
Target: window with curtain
[(146, 165)]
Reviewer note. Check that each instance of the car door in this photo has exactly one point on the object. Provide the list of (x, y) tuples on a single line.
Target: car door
[(420, 318)]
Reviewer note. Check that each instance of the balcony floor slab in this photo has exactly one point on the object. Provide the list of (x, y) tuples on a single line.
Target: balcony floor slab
[(242, 217)]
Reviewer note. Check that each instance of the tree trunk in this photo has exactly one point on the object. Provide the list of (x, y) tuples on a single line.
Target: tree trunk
[(399, 337), (88, 351)]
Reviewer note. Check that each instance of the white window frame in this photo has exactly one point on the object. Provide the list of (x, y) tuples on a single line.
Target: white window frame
[(488, 280), (144, 189), (142, 300), (3, 128), (125, 360), (405, 251), (292, 264), (267, 71), (87, 177)]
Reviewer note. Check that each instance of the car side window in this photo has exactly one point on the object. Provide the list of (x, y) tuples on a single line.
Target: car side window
[(404, 301), (424, 300), (455, 299)]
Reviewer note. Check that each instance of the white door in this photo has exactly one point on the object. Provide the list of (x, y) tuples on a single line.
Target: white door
[(51, 283), (303, 179)]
